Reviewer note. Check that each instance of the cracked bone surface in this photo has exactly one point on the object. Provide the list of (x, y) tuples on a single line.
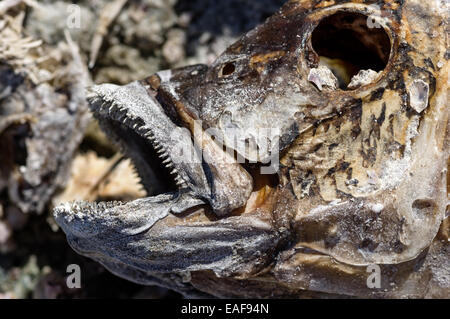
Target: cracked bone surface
[(362, 178)]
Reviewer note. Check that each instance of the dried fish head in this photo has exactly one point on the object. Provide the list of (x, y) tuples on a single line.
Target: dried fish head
[(352, 97)]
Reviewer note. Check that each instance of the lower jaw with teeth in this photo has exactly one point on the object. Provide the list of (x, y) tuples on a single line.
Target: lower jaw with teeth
[(144, 242), (160, 240)]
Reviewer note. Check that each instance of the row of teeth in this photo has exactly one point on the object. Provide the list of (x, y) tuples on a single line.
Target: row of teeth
[(90, 207), (165, 158), (122, 117)]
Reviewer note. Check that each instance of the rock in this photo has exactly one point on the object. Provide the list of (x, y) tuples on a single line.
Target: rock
[(124, 64), (47, 21), (173, 50)]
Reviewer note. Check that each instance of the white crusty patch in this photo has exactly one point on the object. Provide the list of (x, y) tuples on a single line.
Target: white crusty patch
[(376, 208), (364, 77), (323, 77), (418, 95), (165, 76)]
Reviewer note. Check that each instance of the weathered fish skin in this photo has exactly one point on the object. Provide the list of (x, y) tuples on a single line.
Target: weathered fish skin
[(362, 179)]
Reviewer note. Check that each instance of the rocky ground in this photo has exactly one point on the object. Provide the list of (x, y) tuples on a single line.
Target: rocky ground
[(45, 50)]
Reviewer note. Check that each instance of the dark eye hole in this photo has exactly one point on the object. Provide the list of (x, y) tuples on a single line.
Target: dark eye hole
[(228, 69), (346, 44)]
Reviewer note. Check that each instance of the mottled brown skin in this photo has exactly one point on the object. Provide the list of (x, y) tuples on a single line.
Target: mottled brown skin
[(363, 175)]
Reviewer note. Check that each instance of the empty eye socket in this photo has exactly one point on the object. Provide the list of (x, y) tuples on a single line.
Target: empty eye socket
[(228, 69), (346, 45)]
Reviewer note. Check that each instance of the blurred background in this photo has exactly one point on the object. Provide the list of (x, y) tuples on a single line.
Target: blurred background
[(51, 150)]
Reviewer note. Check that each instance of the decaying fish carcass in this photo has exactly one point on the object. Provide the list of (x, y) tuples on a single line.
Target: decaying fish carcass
[(353, 96), (43, 114)]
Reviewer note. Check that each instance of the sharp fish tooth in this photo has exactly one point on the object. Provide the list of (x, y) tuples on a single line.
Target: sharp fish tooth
[(122, 114), (169, 165), (180, 182)]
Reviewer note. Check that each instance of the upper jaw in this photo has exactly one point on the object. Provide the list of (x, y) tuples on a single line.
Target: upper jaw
[(133, 108), (197, 172)]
